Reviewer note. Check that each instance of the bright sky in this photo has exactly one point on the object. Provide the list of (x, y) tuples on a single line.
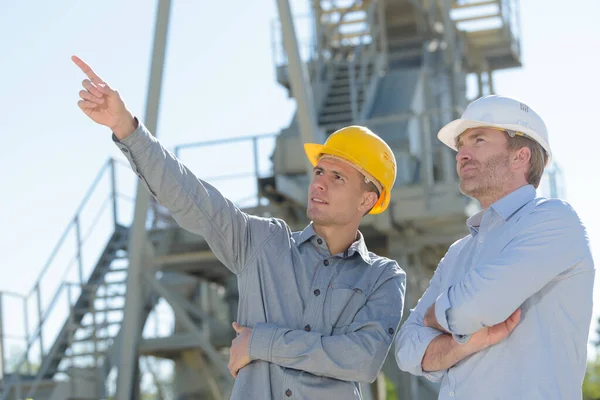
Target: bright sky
[(219, 82)]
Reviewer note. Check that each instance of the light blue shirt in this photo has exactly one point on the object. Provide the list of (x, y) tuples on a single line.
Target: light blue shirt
[(525, 252)]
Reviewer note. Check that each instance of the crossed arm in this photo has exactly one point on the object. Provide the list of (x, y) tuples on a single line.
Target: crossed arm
[(450, 324), (357, 355)]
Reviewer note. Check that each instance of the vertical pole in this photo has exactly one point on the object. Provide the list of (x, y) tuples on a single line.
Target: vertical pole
[(256, 168), (131, 325), (113, 188), (79, 256), (2, 355), (382, 28), (40, 322), (352, 81), (301, 87), (26, 327)]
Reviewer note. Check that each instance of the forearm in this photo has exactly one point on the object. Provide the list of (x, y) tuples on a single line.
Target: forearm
[(444, 352), (411, 344), (551, 243), (356, 357)]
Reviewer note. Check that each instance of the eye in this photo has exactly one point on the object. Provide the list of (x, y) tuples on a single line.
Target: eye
[(479, 139), (318, 172), (338, 177)]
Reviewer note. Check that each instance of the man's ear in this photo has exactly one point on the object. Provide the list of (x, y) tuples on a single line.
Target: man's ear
[(522, 157), (368, 201)]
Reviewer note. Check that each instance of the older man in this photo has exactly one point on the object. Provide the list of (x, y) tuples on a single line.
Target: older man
[(508, 309)]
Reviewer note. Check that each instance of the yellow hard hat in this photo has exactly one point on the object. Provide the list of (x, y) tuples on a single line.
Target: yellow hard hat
[(366, 152)]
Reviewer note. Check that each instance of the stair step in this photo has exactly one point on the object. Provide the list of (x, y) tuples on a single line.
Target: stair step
[(337, 99), (90, 338), (90, 354), (98, 311), (336, 108), (116, 270), (401, 42), (406, 55), (335, 118), (98, 326)]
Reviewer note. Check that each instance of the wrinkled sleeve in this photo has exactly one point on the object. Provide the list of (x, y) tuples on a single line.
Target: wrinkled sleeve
[(194, 204), (414, 338), (357, 355), (549, 243)]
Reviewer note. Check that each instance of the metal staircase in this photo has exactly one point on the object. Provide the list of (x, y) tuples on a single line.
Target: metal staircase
[(76, 329)]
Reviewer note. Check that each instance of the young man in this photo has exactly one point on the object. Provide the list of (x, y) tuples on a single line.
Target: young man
[(317, 311), (507, 312)]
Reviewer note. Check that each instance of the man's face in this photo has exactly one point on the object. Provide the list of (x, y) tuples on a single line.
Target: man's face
[(335, 193), (482, 162)]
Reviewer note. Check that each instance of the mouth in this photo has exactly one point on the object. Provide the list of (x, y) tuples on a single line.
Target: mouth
[(318, 201), (467, 168)]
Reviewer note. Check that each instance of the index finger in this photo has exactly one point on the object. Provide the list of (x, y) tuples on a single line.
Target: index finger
[(87, 70)]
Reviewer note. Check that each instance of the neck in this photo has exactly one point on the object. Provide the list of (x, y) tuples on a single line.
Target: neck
[(338, 238), (493, 196)]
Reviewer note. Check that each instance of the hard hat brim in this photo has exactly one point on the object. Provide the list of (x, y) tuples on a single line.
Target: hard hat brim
[(314, 150), (454, 129)]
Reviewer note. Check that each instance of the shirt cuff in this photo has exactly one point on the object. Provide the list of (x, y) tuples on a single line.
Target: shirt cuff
[(135, 143), (442, 304), (426, 336), (261, 341)]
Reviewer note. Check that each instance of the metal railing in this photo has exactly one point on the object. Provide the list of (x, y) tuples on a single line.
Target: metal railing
[(68, 265), (238, 174), (325, 42)]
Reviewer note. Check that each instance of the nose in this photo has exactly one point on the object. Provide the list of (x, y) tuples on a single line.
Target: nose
[(318, 183), (463, 154)]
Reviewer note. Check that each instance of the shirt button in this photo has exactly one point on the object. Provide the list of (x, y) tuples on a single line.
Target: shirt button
[(320, 241), (451, 394), (391, 331), (307, 328), (125, 150), (326, 262), (317, 292), (480, 240), (288, 393)]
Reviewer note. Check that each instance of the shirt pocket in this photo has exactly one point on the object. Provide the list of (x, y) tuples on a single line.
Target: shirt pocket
[(344, 302)]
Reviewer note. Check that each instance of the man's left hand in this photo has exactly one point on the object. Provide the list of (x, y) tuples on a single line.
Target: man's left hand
[(431, 321), (238, 352)]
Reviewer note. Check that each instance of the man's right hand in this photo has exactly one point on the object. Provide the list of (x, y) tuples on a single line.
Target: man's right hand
[(103, 104), (491, 335)]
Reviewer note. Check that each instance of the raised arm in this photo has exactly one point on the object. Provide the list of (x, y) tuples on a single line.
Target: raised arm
[(195, 205)]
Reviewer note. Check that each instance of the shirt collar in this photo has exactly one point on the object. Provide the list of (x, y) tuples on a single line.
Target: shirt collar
[(306, 234), (359, 246), (505, 207)]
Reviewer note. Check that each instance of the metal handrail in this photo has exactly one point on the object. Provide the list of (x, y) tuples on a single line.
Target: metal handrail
[(44, 313)]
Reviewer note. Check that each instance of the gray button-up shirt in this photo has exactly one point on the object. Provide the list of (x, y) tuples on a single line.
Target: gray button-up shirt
[(321, 322), (525, 252)]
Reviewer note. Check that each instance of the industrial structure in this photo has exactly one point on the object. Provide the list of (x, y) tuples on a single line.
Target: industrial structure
[(399, 67)]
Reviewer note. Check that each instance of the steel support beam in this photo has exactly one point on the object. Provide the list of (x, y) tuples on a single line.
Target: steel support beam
[(187, 322), (299, 79), (131, 325)]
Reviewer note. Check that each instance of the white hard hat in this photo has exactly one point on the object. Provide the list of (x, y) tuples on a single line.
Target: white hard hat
[(499, 112)]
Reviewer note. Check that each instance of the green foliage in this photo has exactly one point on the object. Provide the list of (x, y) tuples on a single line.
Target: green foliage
[(591, 383)]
